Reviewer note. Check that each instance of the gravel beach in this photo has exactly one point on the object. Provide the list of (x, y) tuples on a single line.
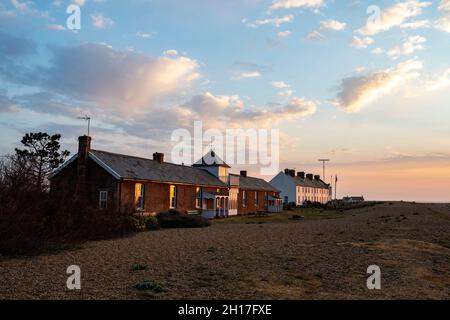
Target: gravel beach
[(309, 259)]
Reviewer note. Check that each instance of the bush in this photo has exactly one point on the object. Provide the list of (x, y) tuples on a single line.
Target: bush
[(151, 223), (150, 285), (138, 224), (175, 219)]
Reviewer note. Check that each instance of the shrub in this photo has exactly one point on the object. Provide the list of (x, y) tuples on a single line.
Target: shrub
[(150, 285), (138, 224), (151, 223), (175, 219), (138, 267)]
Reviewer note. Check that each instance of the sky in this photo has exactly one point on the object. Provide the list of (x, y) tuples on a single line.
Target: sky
[(363, 83)]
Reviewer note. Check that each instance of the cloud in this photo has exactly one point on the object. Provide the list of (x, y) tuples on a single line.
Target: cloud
[(224, 111), (276, 21), (171, 52), (394, 16), (280, 85), (124, 81), (440, 82), (245, 70), (361, 43), (443, 23), (411, 45), (316, 36), (79, 2), (6, 104), (416, 24), (247, 75), (284, 34), (100, 21), (14, 47), (357, 92), (377, 51), (332, 25), (144, 35), (56, 27), (288, 4)]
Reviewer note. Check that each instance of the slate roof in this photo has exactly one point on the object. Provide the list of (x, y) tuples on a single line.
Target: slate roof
[(252, 183), (299, 182), (211, 159), (135, 168)]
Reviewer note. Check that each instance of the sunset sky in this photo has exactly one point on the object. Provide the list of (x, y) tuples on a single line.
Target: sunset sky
[(375, 100)]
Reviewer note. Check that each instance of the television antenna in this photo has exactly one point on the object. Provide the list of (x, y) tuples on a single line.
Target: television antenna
[(88, 120)]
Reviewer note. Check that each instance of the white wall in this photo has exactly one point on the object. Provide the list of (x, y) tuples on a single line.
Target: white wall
[(285, 185)]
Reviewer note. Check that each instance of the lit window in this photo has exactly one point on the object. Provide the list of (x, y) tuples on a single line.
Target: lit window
[(173, 197), (103, 200), (139, 196), (198, 199)]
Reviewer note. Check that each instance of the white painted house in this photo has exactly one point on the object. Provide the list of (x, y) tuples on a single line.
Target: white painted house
[(301, 187)]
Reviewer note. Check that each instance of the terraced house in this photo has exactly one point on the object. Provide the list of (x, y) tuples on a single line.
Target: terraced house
[(301, 187), (127, 184)]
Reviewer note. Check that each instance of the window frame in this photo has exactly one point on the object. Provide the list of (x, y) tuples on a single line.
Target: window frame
[(173, 196), (101, 200)]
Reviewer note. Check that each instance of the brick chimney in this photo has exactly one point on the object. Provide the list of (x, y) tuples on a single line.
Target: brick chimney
[(244, 173), (301, 175), (286, 172), (310, 176), (292, 173), (84, 146), (317, 178), (158, 157)]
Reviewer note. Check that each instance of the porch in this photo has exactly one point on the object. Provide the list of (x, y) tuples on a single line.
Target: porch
[(214, 206)]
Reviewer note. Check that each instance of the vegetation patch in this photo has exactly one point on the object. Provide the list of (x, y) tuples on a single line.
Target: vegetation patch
[(138, 267), (174, 219), (150, 285)]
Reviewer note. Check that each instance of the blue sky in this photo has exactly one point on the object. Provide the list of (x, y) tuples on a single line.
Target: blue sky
[(373, 98)]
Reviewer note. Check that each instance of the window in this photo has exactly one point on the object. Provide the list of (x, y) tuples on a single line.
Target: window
[(173, 197), (139, 196), (103, 200), (198, 199), (223, 172), (256, 199), (244, 198), (286, 199)]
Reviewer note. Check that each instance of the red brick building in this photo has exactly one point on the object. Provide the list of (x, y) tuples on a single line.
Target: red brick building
[(128, 184)]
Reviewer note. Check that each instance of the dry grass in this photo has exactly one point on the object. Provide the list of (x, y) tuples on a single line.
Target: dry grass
[(324, 256)]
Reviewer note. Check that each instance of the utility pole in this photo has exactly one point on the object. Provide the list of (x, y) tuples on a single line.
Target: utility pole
[(323, 161), (335, 187), (88, 119)]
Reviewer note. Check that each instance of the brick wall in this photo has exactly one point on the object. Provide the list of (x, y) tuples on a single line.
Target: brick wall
[(251, 207)]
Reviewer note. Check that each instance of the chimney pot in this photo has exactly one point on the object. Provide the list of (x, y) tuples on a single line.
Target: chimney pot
[(244, 173), (158, 157), (301, 175)]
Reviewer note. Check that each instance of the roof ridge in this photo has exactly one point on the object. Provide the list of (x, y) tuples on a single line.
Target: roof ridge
[(142, 158)]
